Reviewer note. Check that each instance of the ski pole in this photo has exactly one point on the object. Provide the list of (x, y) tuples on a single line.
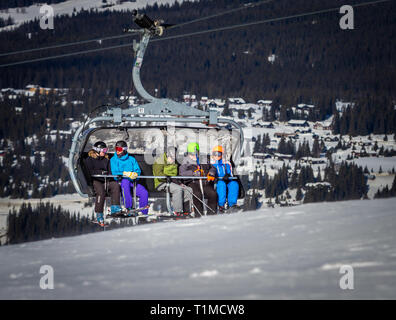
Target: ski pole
[(184, 187), (200, 181)]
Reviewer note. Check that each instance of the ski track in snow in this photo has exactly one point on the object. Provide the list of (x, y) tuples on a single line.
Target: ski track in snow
[(282, 253)]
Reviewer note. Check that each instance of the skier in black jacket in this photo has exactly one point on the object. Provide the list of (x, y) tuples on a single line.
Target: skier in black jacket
[(191, 167), (98, 163)]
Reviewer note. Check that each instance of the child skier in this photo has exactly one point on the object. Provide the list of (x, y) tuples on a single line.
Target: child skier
[(124, 164), (192, 167), (224, 170)]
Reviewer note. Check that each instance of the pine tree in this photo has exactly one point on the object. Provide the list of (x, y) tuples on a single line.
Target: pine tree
[(316, 148)]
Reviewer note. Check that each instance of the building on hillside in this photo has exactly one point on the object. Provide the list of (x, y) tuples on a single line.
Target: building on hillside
[(264, 103), (311, 160), (303, 130), (263, 124), (236, 101), (35, 88), (303, 109), (310, 185), (203, 101), (323, 126), (215, 103), (282, 157), (189, 98), (298, 123), (284, 134), (267, 124), (262, 156)]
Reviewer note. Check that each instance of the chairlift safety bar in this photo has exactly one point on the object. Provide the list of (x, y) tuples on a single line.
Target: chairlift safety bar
[(158, 177)]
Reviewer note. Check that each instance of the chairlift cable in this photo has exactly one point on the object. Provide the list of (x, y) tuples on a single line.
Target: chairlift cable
[(195, 33), (66, 44), (245, 6)]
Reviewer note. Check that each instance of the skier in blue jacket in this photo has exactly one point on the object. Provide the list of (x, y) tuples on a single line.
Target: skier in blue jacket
[(224, 170), (124, 164)]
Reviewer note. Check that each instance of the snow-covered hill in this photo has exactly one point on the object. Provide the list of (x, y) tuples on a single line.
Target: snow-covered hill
[(290, 252), (25, 14)]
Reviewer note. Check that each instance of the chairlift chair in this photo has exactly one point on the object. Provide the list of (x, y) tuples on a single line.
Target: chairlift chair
[(148, 128)]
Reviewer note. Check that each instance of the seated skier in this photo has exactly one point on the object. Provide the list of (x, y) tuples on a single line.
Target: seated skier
[(165, 165), (226, 189), (98, 163), (123, 164), (192, 167)]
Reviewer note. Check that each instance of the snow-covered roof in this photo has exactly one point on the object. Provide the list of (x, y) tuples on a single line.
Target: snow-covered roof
[(314, 159), (219, 102), (293, 121), (303, 105), (314, 184), (264, 101), (283, 155), (236, 100)]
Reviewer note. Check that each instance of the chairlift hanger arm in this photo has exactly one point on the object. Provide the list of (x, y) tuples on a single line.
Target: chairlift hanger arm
[(140, 50)]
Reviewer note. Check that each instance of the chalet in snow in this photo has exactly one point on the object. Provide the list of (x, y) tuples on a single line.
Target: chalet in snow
[(284, 134), (303, 108), (263, 124), (323, 126), (215, 103), (236, 101), (298, 123)]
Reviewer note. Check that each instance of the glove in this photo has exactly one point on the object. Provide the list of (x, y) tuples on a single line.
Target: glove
[(199, 172), (130, 175), (226, 177), (209, 177)]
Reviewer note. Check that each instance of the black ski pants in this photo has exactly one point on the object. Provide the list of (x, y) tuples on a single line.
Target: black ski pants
[(210, 195), (113, 188)]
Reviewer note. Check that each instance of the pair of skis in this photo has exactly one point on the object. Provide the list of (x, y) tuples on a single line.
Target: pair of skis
[(229, 210), (131, 213)]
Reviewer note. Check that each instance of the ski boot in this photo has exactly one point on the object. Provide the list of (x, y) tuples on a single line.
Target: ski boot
[(100, 219), (234, 209), (115, 210)]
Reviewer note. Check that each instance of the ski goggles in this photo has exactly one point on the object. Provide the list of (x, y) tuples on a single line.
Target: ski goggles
[(120, 149), (217, 153), (99, 150)]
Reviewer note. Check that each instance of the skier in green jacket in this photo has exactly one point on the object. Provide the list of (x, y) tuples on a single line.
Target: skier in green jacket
[(165, 165)]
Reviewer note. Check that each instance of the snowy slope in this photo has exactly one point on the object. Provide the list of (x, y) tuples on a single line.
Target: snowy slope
[(291, 252), (25, 14)]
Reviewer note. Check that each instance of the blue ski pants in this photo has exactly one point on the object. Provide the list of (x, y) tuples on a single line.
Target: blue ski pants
[(233, 190), (141, 193)]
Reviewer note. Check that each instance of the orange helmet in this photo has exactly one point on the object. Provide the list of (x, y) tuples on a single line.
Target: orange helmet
[(218, 149)]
